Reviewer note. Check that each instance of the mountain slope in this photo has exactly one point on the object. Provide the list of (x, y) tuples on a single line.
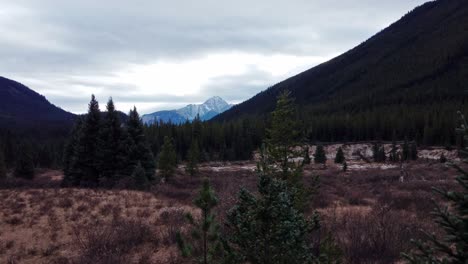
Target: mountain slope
[(210, 108), (21, 107), (421, 60)]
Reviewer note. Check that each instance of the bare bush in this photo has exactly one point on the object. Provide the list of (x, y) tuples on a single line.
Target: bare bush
[(111, 243)]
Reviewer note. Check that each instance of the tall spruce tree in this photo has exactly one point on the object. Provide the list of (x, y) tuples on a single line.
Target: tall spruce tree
[(69, 155), (306, 160), (138, 149), (205, 234), (84, 169), (193, 158), (167, 159), (109, 144), (24, 167), (453, 247), (339, 158), (3, 168), (319, 156)]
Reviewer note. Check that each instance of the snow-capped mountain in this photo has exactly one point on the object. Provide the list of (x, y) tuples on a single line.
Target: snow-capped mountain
[(210, 108)]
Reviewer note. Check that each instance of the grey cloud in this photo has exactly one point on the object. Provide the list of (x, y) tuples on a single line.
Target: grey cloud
[(71, 40)]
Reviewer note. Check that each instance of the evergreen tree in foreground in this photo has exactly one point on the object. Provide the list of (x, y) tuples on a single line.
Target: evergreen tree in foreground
[(339, 158), (319, 156), (24, 167), (453, 247), (206, 246), (136, 145), (167, 159), (84, 167), (3, 168), (267, 228), (282, 149), (109, 143), (193, 158), (283, 136)]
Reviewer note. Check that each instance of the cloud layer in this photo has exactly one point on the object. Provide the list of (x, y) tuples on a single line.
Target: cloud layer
[(164, 54)]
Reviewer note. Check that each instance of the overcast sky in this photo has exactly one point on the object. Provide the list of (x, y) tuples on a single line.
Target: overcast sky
[(165, 54)]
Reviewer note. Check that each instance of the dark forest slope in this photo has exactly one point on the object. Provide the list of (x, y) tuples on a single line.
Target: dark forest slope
[(21, 107), (401, 82)]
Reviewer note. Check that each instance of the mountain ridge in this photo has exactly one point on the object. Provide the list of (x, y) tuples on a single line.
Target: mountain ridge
[(20, 106), (407, 62), (207, 110)]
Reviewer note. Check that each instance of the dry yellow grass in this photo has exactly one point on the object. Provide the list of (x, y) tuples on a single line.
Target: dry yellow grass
[(43, 223)]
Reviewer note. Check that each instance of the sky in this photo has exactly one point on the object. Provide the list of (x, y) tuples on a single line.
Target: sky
[(157, 55)]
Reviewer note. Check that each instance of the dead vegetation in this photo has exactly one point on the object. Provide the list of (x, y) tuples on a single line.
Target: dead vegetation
[(371, 213)]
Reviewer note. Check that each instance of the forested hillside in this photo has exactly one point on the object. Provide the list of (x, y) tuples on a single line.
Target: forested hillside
[(21, 107), (406, 81)]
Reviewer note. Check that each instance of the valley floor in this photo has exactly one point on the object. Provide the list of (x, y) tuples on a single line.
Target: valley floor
[(371, 212)]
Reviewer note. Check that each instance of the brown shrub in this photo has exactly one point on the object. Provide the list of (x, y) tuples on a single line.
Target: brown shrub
[(111, 243)]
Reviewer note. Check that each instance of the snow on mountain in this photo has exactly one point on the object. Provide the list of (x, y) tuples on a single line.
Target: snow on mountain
[(210, 108)]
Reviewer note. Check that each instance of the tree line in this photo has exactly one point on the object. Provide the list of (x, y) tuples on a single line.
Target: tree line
[(104, 151)]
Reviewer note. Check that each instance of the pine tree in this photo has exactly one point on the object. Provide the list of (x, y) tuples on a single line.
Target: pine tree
[(138, 149), (375, 152), (24, 167), (69, 155), (267, 228), (282, 147), (84, 169), (283, 136), (306, 160), (382, 156), (345, 166), (109, 143), (167, 159), (339, 158), (3, 168), (139, 177), (206, 246), (193, 158), (442, 158), (319, 156), (453, 247), (405, 153), (414, 151), (378, 152)]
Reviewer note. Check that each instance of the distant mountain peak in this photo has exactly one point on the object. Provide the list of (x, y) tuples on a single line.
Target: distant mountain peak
[(207, 110)]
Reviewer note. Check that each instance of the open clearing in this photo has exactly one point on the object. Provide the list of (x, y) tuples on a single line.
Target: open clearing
[(370, 209)]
